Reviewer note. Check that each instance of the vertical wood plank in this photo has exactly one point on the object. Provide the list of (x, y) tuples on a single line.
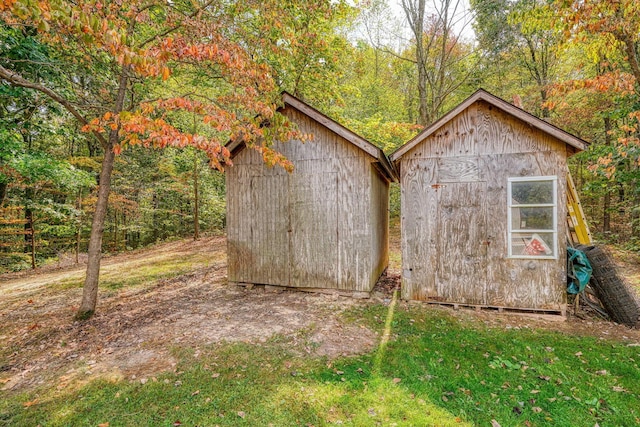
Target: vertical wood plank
[(238, 203), (456, 138), (323, 213), (419, 232), (354, 227), (313, 237), (461, 273), (269, 223), (521, 282), (379, 220)]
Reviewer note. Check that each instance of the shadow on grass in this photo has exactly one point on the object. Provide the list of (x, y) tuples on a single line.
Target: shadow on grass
[(362, 398)]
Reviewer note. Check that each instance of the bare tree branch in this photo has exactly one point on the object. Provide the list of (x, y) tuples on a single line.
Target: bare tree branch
[(17, 80)]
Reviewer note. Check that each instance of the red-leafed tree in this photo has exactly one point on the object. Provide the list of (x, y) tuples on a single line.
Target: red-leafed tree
[(605, 86), (612, 27), (131, 71)]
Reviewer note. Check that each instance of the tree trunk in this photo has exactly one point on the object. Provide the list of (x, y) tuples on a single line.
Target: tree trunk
[(606, 205), (78, 246), (115, 231), (92, 148), (78, 225), (33, 243), (155, 234), (3, 191), (580, 181), (435, 59), (621, 196), (414, 11), (423, 102), (90, 290), (606, 211), (29, 232), (546, 113), (423, 108), (196, 221), (29, 235), (635, 219), (125, 232)]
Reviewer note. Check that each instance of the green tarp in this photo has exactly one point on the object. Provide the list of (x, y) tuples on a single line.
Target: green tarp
[(578, 270)]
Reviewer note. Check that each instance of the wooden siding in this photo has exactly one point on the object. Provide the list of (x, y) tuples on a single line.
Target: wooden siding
[(313, 228), (464, 112), (379, 212), (462, 257), (419, 203), (454, 213)]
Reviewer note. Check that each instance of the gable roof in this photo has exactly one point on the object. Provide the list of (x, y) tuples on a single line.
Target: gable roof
[(291, 101), (483, 95)]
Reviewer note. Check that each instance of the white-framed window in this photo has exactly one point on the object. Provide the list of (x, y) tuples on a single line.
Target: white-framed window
[(533, 217)]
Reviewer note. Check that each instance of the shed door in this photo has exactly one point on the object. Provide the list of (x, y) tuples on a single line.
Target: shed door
[(462, 247), (268, 237), (313, 242)]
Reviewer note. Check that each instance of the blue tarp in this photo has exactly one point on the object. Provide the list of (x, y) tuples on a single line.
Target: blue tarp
[(578, 270)]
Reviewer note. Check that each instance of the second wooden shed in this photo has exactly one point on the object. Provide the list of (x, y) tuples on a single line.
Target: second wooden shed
[(324, 226), (484, 208)]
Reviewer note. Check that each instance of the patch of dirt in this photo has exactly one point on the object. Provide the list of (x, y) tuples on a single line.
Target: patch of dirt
[(134, 330), (334, 339), (388, 283)]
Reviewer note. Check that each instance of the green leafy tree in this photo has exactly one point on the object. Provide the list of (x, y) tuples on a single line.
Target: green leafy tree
[(521, 48), (607, 34), (114, 55)]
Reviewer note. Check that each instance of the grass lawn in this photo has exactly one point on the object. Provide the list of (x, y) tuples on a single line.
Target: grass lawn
[(436, 369)]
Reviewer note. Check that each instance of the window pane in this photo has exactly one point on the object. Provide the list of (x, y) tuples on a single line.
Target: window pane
[(533, 244), (532, 218), (532, 192)]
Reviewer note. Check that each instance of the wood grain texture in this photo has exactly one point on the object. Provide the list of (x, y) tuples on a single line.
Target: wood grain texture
[(461, 248), (481, 97), (458, 169), (500, 133), (269, 222), (379, 220), (323, 226), (454, 213), (313, 229), (238, 237), (312, 114), (354, 225), (454, 139), (520, 282), (419, 203)]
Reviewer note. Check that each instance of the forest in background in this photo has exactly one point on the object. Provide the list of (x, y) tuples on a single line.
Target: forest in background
[(164, 85)]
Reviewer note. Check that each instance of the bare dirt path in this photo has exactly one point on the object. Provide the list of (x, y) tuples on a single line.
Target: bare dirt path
[(135, 328)]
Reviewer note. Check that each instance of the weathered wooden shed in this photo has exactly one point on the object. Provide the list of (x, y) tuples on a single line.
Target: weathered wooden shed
[(324, 226), (484, 214)]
